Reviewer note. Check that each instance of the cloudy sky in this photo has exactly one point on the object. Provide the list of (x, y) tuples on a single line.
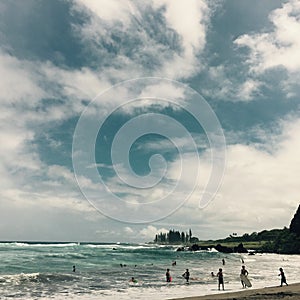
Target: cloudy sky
[(115, 114)]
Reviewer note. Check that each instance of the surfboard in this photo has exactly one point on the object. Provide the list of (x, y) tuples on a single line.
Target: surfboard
[(245, 279)]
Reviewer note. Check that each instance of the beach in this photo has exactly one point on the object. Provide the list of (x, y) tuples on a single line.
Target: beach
[(291, 292)]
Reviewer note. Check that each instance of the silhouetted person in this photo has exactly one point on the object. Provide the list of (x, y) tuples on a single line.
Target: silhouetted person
[(74, 269), (168, 276), (283, 279), (223, 262), (244, 272), (220, 279), (186, 275)]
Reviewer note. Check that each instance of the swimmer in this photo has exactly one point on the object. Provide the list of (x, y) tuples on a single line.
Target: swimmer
[(133, 280)]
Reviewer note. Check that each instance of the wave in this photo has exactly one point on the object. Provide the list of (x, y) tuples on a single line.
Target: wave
[(124, 246), (29, 244), (37, 277), (56, 245)]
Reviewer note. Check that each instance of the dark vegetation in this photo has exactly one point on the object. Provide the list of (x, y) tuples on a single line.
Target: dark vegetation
[(175, 237), (284, 241)]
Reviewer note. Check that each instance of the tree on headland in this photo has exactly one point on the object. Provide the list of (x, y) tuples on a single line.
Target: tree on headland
[(182, 237), (175, 237)]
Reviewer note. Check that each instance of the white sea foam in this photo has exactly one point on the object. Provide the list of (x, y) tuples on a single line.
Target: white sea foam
[(39, 272)]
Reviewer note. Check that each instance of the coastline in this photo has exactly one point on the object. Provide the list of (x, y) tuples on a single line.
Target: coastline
[(291, 292)]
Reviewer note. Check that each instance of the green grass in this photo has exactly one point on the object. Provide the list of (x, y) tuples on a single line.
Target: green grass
[(247, 245)]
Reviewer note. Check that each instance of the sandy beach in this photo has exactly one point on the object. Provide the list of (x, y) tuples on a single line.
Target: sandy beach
[(291, 292)]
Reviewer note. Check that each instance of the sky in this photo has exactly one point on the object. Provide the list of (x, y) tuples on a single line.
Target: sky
[(122, 119)]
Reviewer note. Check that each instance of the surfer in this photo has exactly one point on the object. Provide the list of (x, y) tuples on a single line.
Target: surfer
[(283, 279), (186, 275), (168, 275), (245, 273), (220, 279)]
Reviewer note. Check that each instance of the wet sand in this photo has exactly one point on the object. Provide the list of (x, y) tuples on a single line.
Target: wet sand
[(291, 292)]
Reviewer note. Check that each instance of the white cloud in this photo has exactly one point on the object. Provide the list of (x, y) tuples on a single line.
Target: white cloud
[(17, 82), (255, 181), (152, 55), (108, 11), (223, 86), (26, 83), (259, 190), (75, 84), (164, 90), (149, 232), (280, 47), (190, 22), (28, 182), (248, 89), (128, 230)]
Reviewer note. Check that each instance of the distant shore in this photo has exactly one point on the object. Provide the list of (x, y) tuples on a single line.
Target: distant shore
[(291, 292)]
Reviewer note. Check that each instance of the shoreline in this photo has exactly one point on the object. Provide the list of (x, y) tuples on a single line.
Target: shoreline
[(290, 292)]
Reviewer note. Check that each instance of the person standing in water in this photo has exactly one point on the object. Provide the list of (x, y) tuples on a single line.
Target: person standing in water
[(223, 262), (74, 268), (220, 279), (186, 275), (283, 279), (244, 272), (168, 275)]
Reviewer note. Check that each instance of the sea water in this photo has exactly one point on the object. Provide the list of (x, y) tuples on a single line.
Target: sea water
[(103, 271)]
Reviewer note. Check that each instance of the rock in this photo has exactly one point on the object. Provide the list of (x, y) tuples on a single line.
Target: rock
[(223, 249), (295, 223), (240, 249), (194, 247), (180, 249)]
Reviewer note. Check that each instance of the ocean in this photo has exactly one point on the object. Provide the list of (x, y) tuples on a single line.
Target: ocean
[(103, 271)]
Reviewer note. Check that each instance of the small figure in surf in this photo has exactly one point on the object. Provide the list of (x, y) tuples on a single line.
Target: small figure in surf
[(186, 275), (223, 262), (244, 272), (220, 279), (74, 269), (283, 279), (168, 276), (133, 280), (174, 263), (212, 274)]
